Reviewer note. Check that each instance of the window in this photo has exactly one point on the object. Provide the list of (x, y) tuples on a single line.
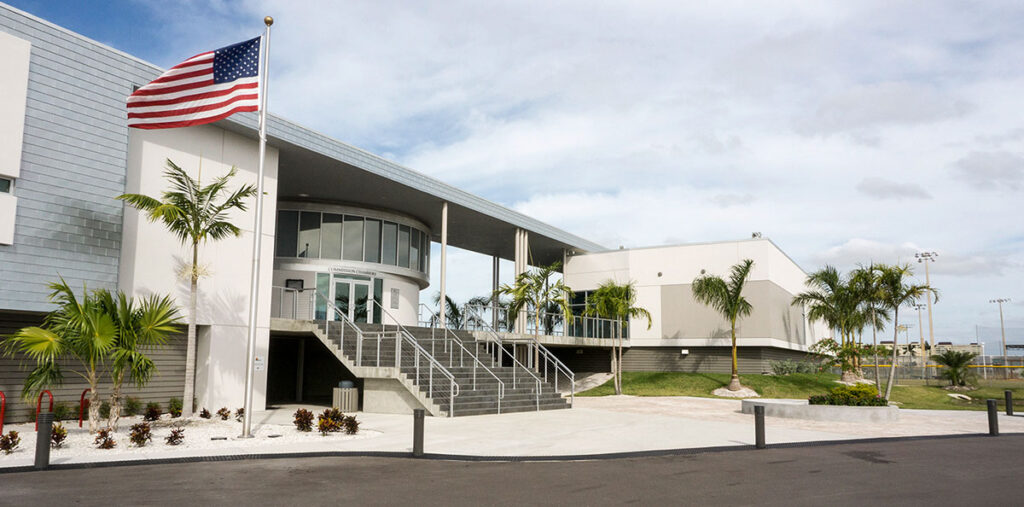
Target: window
[(371, 245), (309, 235), (389, 248), (287, 231), (331, 231), (403, 246), (353, 238), (5, 186), (414, 250)]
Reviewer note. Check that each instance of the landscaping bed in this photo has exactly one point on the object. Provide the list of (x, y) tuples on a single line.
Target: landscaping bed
[(800, 409)]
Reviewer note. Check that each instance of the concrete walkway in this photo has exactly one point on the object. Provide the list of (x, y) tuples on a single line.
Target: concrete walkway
[(611, 424)]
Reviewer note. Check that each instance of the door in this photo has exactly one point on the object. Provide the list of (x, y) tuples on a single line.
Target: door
[(352, 298)]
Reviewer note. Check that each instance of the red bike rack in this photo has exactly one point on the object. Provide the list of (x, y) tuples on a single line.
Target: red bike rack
[(83, 405), (39, 405), (3, 408)]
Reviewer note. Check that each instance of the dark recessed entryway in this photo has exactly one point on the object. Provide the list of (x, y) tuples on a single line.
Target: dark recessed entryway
[(300, 369)]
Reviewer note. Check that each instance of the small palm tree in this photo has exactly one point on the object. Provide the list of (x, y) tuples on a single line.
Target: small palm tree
[(79, 328), (896, 291), (195, 214), (867, 283), (726, 297), (453, 313), (534, 290), (140, 327), (614, 301), (956, 365)]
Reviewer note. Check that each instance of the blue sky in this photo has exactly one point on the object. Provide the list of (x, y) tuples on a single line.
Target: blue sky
[(845, 131)]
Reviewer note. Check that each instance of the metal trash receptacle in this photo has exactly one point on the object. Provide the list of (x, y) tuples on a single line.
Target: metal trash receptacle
[(346, 399)]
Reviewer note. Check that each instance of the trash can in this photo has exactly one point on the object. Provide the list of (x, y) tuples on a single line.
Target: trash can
[(346, 399)]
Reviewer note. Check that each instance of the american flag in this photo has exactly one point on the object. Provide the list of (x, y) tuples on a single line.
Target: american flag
[(203, 89)]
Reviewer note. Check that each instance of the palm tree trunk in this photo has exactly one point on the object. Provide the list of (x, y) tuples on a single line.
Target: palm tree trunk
[(115, 403), (619, 361), (892, 367), (190, 348), (874, 342), (94, 402), (734, 382)]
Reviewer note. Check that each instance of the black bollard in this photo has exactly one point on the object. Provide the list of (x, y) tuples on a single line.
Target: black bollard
[(759, 426), (418, 416), (1009, 402), (43, 440), (993, 419)]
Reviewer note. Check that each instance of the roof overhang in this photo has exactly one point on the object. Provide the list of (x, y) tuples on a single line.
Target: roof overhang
[(314, 167)]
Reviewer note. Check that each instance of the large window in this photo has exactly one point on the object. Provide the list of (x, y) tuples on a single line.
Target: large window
[(316, 235)]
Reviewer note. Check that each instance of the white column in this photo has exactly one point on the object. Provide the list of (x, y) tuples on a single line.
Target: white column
[(495, 266), (444, 263)]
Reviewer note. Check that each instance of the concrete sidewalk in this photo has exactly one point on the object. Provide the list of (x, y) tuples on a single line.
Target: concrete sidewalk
[(613, 424)]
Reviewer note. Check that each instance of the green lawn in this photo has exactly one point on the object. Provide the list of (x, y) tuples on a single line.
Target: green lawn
[(801, 386)]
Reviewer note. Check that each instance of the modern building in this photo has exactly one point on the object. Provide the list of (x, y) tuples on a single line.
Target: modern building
[(347, 246)]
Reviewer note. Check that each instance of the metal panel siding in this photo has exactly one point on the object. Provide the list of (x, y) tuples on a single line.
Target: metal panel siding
[(167, 383), (73, 163), (592, 359), (750, 360)]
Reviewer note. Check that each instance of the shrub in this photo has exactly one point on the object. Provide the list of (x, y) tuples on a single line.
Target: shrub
[(857, 395), (63, 412), (239, 414), (351, 425), (132, 406), (224, 413), (331, 421), (304, 420), (205, 414), (789, 367), (176, 437), (105, 410), (174, 407), (104, 439), (153, 411), (141, 434), (9, 442), (58, 436), (956, 364)]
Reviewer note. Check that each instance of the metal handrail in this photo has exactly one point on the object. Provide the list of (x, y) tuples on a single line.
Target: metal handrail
[(588, 327), (549, 357), (449, 336), (431, 361), (496, 340), (408, 337)]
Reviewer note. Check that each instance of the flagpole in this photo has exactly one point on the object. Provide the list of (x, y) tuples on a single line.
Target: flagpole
[(250, 349)]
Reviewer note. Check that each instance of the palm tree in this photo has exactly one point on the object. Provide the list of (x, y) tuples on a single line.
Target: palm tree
[(454, 315), (614, 301), (534, 290), (867, 282), (726, 297), (896, 291), (956, 365), (195, 214), (139, 328), (79, 328)]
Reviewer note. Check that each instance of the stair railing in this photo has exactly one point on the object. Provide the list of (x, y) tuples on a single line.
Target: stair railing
[(496, 349), (404, 336), (550, 361)]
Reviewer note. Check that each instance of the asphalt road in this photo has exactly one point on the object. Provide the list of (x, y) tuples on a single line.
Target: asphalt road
[(973, 470)]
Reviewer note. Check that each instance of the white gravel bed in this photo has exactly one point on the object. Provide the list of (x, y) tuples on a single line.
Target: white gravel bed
[(199, 434)]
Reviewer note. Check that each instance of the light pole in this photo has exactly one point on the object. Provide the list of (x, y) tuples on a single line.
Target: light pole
[(906, 335), (1002, 329), (920, 327), (925, 258)]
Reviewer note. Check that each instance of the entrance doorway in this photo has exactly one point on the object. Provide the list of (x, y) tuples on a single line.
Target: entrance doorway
[(356, 297)]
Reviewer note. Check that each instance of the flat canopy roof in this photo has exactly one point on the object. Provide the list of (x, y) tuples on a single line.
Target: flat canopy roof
[(325, 169)]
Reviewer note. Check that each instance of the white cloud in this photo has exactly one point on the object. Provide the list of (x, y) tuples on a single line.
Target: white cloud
[(825, 125)]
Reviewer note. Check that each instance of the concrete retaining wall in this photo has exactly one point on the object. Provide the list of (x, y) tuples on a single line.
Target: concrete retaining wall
[(800, 409)]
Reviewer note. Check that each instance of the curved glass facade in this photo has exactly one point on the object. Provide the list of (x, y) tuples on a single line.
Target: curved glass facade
[(322, 235)]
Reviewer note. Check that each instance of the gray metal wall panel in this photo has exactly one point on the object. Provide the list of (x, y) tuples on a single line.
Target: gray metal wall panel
[(750, 360)]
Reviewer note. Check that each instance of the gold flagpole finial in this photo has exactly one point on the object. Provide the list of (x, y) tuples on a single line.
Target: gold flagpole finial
[(268, 20)]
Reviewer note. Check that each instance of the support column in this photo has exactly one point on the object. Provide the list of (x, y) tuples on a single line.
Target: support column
[(300, 369), (495, 266), (444, 264)]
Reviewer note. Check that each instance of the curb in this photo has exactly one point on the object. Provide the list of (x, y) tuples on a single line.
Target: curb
[(476, 458)]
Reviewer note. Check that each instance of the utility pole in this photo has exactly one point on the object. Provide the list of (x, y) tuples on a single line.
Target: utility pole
[(1002, 329), (926, 258)]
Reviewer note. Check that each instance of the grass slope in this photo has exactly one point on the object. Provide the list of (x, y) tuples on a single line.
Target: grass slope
[(801, 386)]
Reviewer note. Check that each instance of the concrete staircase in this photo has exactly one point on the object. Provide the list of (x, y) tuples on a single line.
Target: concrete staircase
[(478, 390)]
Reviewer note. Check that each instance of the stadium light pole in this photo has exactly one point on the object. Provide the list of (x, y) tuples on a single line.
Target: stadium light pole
[(920, 327), (1002, 329), (926, 258)]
